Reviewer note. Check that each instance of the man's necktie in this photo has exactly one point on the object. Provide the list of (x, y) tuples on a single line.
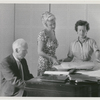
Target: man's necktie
[(20, 67), (21, 70)]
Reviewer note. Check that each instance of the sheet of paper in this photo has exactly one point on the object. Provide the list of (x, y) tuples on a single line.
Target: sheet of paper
[(57, 72), (76, 65)]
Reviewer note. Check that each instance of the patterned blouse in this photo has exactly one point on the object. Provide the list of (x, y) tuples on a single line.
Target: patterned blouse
[(49, 48)]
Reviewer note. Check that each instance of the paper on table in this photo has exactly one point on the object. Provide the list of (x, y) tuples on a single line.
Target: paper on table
[(57, 72), (76, 65), (95, 72)]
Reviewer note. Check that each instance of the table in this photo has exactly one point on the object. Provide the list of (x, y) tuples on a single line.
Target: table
[(37, 88)]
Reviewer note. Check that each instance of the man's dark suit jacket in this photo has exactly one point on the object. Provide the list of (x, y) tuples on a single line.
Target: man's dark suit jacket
[(10, 76)]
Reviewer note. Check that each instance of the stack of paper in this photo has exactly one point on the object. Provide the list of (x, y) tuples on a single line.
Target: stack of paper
[(57, 72)]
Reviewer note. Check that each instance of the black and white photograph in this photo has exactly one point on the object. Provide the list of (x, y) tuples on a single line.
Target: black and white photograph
[(50, 49)]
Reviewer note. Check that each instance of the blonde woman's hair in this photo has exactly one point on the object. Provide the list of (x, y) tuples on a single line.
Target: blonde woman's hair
[(47, 16)]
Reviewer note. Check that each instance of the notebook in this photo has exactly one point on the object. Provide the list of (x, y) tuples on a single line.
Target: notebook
[(82, 78), (54, 78)]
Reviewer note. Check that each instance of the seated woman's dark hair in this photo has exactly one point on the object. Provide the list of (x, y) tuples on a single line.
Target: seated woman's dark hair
[(82, 23)]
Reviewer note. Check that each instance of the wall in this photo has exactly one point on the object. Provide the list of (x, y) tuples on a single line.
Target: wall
[(6, 29)]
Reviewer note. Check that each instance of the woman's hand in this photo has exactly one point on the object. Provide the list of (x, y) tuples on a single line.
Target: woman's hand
[(55, 61)]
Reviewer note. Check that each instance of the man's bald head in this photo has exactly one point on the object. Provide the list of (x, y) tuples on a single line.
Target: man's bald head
[(20, 48)]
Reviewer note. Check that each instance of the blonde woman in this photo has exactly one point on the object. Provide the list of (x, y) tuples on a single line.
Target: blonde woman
[(47, 44)]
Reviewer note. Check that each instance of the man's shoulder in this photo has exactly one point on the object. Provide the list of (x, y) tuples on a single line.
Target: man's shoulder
[(8, 59)]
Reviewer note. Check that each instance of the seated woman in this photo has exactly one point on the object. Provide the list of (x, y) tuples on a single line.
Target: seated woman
[(83, 47), (47, 44)]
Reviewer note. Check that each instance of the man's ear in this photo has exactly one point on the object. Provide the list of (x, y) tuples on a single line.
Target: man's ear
[(16, 50)]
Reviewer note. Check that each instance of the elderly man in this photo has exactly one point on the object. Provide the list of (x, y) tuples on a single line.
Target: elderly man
[(14, 70)]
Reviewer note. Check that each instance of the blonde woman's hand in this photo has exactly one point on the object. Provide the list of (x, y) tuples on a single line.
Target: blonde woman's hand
[(55, 61)]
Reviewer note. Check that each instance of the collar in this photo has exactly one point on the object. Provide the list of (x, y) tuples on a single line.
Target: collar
[(15, 58), (85, 39)]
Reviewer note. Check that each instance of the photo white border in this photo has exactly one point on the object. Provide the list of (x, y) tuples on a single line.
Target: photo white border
[(50, 2)]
